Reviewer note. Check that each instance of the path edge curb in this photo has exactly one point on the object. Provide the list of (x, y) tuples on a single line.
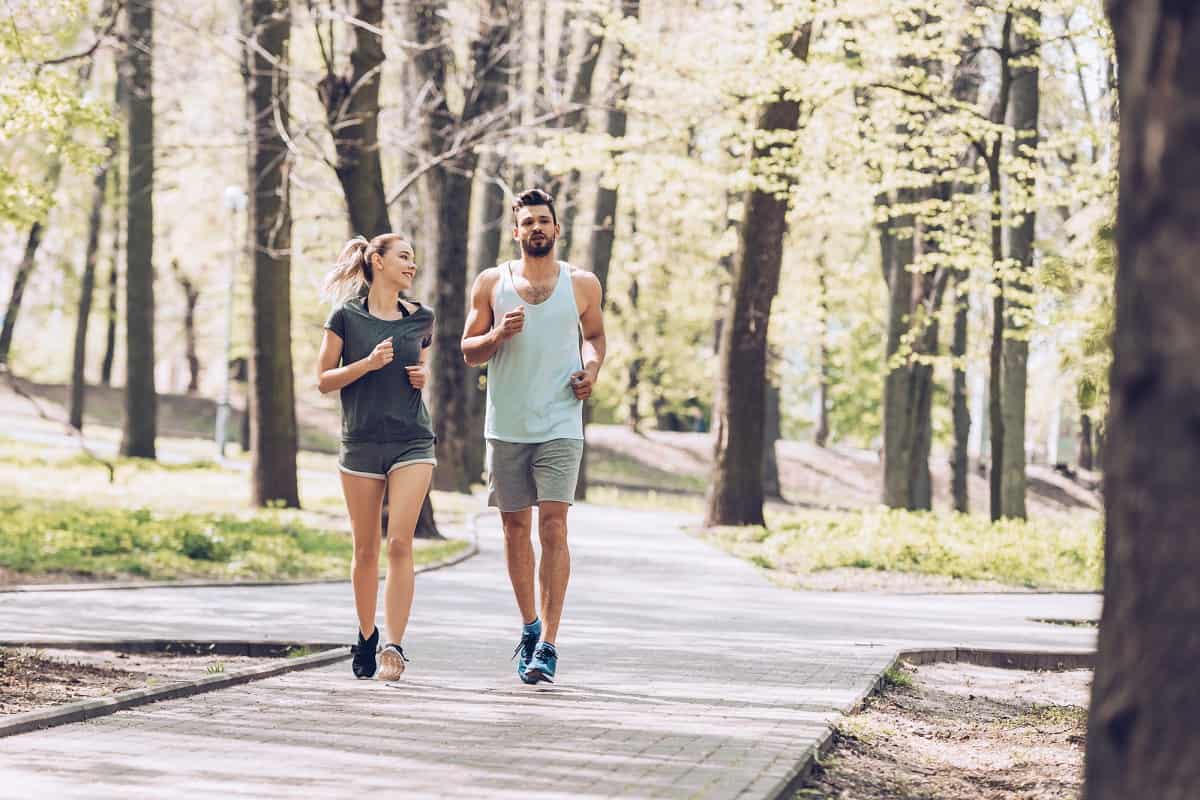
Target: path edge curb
[(33, 588), (1004, 659), (96, 707)]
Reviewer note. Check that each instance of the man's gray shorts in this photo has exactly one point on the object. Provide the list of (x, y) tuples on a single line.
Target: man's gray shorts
[(521, 475)]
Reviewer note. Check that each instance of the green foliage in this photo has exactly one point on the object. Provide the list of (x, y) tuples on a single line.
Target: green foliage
[(46, 117), (41, 538), (1048, 553)]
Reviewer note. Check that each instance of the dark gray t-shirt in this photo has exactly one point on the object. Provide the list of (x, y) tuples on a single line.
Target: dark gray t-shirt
[(382, 406)]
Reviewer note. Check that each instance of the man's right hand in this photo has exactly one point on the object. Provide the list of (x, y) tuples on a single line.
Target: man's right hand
[(381, 356), (512, 324)]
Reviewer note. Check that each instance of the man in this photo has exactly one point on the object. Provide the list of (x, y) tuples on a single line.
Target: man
[(525, 319)]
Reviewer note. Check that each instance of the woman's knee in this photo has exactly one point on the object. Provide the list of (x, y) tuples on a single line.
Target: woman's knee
[(366, 552), (399, 548)]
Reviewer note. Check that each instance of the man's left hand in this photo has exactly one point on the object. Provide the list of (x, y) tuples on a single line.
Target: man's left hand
[(581, 383)]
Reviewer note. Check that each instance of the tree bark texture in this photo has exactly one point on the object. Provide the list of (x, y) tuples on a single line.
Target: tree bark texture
[(351, 102), (1086, 453), (191, 296), (1023, 117), (736, 494), (451, 185), (87, 290), (141, 400), (273, 435), (1143, 740)]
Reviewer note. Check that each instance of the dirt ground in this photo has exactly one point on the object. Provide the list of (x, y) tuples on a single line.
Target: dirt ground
[(31, 679), (961, 732)]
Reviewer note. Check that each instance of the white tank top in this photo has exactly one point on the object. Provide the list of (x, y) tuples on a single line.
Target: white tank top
[(529, 396)]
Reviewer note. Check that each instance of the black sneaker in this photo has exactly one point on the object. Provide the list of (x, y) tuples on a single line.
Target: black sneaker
[(364, 655), (391, 663)]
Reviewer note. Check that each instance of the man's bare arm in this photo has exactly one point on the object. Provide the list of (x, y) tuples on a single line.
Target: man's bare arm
[(591, 324), (480, 340)]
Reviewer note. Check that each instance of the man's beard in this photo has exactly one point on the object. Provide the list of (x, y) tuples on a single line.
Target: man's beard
[(538, 250)]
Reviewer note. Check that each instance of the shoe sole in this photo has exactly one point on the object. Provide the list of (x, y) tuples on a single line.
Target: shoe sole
[(391, 666), (533, 676)]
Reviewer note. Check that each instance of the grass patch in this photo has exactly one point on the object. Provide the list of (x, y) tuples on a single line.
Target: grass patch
[(605, 464), (1061, 553), (644, 500), (897, 677), (38, 538)]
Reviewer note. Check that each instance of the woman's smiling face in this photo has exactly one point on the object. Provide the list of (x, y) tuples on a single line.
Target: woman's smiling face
[(397, 265)]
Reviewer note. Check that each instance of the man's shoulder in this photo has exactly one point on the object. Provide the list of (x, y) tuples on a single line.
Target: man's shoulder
[(488, 278), (581, 276)]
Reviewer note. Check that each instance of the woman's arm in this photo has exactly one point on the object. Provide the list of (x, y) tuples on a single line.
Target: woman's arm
[(331, 377), (418, 374)]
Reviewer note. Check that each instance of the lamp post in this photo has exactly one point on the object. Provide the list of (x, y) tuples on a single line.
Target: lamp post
[(235, 202)]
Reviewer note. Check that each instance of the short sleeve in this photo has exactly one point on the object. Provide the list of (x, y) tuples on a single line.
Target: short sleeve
[(427, 339), (337, 322)]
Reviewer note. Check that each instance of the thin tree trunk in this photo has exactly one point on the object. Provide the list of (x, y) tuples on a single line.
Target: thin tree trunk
[(1086, 458), (996, 353), (273, 436), (1142, 738), (191, 296), (959, 407), (20, 280), (633, 392), (1023, 117), (141, 400), (736, 494), (821, 438), (110, 326), (771, 435), (87, 290)]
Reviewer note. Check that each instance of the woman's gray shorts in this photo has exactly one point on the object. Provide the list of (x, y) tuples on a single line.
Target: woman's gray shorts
[(377, 459), (521, 475)]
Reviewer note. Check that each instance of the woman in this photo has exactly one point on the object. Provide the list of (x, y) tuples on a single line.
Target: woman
[(374, 350)]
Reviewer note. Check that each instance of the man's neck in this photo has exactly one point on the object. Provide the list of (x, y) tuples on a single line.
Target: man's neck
[(538, 266)]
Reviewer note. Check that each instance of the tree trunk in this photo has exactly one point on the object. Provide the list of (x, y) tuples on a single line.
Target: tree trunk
[(821, 438), (1023, 117), (771, 435), (633, 391), (110, 321), (996, 353), (20, 280), (351, 102), (191, 296), (451, 184), (86, 291), (899, 444), (141, 401), (1142, 736), (1086, 458), (959, 407), (736, 494), (273, 437)]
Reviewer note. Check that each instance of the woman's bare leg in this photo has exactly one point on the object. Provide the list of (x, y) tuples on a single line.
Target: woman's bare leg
[(407, 487), (364, 501)]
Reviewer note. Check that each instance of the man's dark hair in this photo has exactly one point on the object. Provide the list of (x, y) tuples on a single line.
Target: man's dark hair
[(535, 197)]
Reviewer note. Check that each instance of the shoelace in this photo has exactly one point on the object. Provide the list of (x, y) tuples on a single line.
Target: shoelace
[(521, 645)]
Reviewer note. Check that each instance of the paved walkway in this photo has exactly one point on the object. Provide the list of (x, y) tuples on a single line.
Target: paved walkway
[(682, 673)]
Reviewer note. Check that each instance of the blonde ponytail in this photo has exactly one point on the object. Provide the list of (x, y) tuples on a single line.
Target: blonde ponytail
[(348, 276)]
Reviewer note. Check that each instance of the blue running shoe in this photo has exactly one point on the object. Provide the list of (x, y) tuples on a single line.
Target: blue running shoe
[(541, 667), (525, 647)]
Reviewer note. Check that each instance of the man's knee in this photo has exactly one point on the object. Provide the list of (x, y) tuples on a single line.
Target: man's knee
[(552, 529), (516, 527)]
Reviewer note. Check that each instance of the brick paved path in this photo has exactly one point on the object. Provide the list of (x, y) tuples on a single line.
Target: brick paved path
[(682, 673)]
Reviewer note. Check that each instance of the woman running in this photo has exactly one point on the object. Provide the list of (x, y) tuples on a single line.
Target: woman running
[(374, 350)]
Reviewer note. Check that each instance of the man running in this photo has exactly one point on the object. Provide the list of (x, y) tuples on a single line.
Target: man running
[(525, 319)]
